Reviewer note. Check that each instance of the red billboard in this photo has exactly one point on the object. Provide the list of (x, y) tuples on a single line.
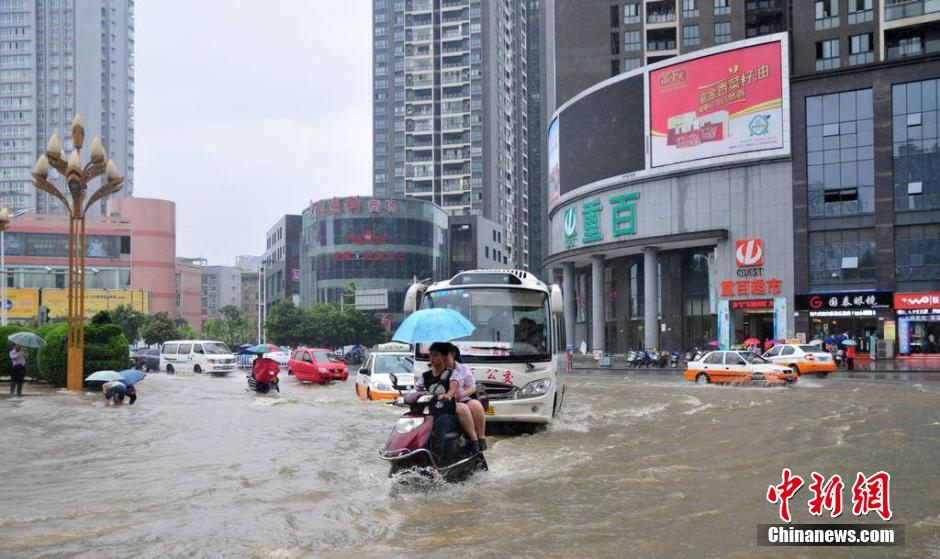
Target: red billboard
[(911, 301), (719, 104)]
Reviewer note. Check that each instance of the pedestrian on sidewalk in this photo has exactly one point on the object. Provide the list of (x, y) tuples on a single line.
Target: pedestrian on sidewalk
[(18, 375), (850, 357)]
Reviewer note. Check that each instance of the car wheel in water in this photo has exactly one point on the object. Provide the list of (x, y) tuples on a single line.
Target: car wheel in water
[(169, 369), (197, 369), (368, 393), (144, 368), (702, 378), (795, 368)]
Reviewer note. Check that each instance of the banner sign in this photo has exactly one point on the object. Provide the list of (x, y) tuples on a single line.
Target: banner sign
[(722, 104), (554, 174), (95, 300), (911, 301), (842, 301)]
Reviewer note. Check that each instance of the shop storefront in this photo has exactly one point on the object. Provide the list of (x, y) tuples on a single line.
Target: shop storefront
[(858, 314), (918, 323), (753, 304)]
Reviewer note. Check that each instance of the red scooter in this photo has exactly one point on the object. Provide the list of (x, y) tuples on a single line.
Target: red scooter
[(427, 443)]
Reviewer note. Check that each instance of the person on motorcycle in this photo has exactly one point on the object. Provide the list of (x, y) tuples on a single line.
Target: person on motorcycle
[(264, 370), (437, 380), (466, 393)]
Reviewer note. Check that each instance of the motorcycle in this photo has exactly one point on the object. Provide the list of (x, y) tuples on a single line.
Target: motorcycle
[(641, 359), (674, 359), (427, 443), (264, 376)]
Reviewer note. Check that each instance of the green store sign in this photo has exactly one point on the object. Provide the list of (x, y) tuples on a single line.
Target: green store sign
[(622, 211)]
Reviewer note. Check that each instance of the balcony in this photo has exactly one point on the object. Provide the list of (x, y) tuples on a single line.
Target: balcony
[(905, 9), (455, 185), (456, 47), (861, 16), (823, 64), (912, 41), (419, 6), (453, 4), (454, 34)]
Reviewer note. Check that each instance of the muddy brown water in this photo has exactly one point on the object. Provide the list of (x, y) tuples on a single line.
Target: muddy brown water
[(636, 466)]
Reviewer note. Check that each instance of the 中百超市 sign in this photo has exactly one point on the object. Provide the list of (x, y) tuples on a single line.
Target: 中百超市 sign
[(621, 210)]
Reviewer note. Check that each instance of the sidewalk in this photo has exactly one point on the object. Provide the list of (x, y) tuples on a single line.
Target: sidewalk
[(903, 365)]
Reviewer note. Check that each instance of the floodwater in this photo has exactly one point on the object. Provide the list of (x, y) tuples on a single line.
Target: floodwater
[(637, 466)]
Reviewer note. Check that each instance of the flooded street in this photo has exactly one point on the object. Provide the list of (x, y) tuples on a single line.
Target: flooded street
[(648, 466)]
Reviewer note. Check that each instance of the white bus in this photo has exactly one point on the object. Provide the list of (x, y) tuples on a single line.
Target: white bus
[(517, 350)]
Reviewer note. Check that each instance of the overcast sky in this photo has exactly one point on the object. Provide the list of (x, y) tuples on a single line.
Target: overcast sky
[(246, 111)]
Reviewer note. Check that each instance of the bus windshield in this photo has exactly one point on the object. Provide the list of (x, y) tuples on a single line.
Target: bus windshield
[(510, 324)]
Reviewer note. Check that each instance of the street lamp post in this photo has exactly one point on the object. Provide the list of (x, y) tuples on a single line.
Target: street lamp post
[(77, 179), (5, 219)]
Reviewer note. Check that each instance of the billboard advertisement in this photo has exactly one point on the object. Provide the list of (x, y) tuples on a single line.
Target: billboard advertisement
[(95, 300), (720, 104), (554, 176), (22, 303)]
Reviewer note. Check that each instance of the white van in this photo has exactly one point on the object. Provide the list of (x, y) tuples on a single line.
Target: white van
[(196, 356)]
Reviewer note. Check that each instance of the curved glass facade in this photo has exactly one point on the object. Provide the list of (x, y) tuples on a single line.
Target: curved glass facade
[(374, 243)]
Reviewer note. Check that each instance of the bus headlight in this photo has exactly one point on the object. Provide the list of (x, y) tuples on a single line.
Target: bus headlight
[(535, 388)]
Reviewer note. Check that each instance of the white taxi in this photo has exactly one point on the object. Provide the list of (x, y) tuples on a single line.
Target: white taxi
[(802, 358), (373, 381)]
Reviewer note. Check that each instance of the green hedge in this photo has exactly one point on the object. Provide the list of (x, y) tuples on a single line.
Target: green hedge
[(105, 348)]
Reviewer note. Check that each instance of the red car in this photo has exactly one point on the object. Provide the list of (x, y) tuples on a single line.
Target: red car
[(316, 365)]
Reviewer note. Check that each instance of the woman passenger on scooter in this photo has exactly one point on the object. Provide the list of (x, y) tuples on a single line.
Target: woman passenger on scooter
[(466, 390), (438, 381)]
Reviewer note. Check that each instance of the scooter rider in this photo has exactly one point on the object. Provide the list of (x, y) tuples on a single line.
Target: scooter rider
[(438, 381)]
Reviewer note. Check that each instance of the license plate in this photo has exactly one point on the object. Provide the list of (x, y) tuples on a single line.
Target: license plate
[(490, 410)]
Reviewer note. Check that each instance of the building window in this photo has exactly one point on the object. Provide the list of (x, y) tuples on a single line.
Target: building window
[(722, 31), (827, 14), (631, 64), (827, 54), (842, 256), (860, 11), (860, 49), (631, 41), (614, 43), (722, 7), (614, 67), (689, 9), (614, 16), (840, 171), (917, 252), (916, 116), (690, 35), (631, 13)]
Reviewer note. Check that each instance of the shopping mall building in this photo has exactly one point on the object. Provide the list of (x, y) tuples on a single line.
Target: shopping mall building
[(745, 190), (380, 245)]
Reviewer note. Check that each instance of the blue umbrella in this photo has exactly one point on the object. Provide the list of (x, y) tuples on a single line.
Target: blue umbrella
[(132, 376), (433, 325), (104, 376)]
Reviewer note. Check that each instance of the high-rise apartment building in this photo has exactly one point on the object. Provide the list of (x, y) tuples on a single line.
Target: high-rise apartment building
[(450, 109), (59, 58)]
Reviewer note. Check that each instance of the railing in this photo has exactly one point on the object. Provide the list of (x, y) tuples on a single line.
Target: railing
[(861, 16), (660, 45), (661, 17), (861, 58), (631, 19), (827, 64), (689, 13), (722, 10), (900, 10)]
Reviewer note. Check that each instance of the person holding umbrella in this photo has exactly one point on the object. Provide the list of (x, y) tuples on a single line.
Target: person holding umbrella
[(18, 374), (21, 341)]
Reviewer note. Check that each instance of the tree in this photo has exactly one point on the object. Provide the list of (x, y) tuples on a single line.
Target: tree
[(288, 324), (366, 327), (130, 320), (105, 349), (159, 328), (349, 293)]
